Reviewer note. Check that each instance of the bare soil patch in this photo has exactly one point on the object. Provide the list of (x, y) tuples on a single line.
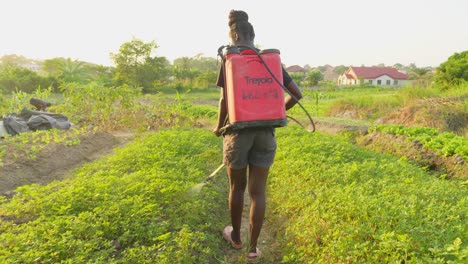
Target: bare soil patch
[(56, 161), (335, 128), (445, 114)]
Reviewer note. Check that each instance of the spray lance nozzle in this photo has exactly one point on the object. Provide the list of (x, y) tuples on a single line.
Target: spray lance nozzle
[(196, 189)]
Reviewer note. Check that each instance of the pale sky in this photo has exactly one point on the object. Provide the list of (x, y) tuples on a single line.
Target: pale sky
[(335, 32)]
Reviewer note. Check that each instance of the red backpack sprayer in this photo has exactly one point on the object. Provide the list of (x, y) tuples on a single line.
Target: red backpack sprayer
[(254, 92)]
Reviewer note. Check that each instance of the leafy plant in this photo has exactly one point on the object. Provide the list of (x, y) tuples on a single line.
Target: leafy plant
[(337, 203), (28, 145), (131, 207), (446, 143), (453, 71)]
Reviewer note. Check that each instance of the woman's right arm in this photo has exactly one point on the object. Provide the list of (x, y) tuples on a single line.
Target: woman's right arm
[(222, 113)]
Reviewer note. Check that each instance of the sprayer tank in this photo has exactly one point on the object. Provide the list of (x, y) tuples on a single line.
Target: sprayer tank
[(254, 97)]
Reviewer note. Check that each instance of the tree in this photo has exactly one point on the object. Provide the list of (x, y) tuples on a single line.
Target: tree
[(14, 60), (298, 77), (206, 79), (73, 71), (421, 76), (412, 66), (453, 71), (66, 70), (154, 72), (307, 67), (13, 78), (340, 69), (100, 74), (322, 68), (198, 70), (419, 73), (183, 69), (398, 66), (130, 60), (52, 67), (204, 64), (313, 77), (135, 65)]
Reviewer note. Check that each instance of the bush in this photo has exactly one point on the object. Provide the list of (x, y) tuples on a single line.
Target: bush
[(14, 79), (452, 72)]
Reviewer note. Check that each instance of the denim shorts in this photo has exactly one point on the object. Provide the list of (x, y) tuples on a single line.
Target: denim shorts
[(255, 146)]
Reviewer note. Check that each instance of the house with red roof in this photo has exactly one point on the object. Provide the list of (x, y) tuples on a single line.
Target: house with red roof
[(385, 76)]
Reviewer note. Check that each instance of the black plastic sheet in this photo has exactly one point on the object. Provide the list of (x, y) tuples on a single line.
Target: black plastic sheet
[(31, 120)]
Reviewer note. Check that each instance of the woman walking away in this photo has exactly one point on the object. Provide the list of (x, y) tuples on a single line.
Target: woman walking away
[(250, 148)]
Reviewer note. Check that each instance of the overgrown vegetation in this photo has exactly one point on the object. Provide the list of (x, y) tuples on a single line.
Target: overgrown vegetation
[(331, 201), (453, 71), (93, 108), (411, 106)]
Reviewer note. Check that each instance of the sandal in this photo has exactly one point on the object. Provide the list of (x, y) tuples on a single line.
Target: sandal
[(253, 257), (227, 236)]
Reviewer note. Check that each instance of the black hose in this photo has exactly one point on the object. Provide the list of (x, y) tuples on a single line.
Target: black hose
[(280, 83), (284, 88)]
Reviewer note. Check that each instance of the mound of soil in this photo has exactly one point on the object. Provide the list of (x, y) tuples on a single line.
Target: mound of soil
[(445, 114), (56, 161), (335, 128), (453, 166)]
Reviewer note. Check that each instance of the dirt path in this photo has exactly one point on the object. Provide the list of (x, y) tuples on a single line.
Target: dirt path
[(56, 161), (266, 242)]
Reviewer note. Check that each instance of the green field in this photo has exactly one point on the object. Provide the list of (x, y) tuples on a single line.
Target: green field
[(330, 200)]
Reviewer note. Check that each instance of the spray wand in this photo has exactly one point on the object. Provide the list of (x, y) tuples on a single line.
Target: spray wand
[(196, 189)]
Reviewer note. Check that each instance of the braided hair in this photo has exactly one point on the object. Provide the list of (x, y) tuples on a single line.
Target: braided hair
[(239, 24)]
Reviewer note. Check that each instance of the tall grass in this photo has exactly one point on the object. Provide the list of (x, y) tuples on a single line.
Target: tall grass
[(408, 94), (368, 104), (18, 100)]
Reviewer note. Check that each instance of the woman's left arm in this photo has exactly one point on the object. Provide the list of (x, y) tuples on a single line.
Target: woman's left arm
[(294, 90)]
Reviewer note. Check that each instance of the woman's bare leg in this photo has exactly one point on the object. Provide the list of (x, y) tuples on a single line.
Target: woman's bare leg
[(257, 187), (237, 184)]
